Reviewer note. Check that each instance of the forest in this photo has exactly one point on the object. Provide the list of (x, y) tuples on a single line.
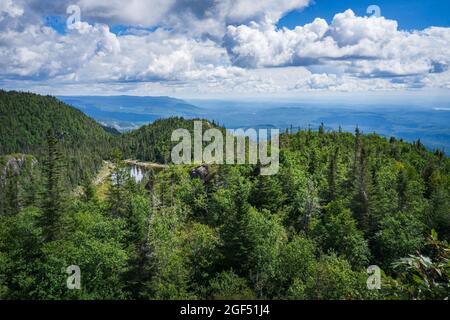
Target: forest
[(340, 203)]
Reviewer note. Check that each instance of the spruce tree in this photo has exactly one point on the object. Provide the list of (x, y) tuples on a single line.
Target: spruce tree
[(322, 129), (361, 183), (11, 192), (268, 194), (332, 175), (89, 193), (53, 194), (121, 187)]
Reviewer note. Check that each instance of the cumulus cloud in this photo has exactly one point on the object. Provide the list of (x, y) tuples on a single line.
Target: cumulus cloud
[(194, 17), (216, 46), (89, 53), (8, 7), (363, 46)]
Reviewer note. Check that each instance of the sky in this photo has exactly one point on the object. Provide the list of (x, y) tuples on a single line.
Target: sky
[(226, 48), (410, 14)]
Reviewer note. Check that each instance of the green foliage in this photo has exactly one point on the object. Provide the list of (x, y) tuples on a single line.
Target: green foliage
[(298, 263), (20, 183), (340, 203), (26, 118), (267, 194), (200, 245), (266, 237), (92, 242), (20, 244), (438, 212), (53, 192), (424, 277), (400, 234), (334, 279), (229, 286), (337, 231), (167, 266), (36, 269)]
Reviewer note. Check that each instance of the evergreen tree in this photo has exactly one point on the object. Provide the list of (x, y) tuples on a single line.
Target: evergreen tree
[(438, 212), (11, 193), (361, 186), (322, 129), (332, 175), (89, 193), (336, 230), (233, 203), (121, 187), (267, 194), (53, 200)]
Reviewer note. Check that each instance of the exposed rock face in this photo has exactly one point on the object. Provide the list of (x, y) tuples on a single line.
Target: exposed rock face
[(15, 165), (150, 185), (202, 172), (19, 182)]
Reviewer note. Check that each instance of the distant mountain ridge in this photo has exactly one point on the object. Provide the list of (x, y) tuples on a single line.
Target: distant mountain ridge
[(131, 112), (127, 113), (408, 122)]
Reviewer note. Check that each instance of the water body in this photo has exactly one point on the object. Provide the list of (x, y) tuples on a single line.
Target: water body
[(137, 173)]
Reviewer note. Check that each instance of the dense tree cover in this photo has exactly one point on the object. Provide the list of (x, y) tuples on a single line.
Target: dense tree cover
[(340, 203), (26, 119), (20, 178), (153, 142)]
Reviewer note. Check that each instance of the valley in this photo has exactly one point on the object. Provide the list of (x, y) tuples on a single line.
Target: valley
[(73, 192), (409, 122)]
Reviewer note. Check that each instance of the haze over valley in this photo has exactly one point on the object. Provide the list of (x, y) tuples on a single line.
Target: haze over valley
[(429, 123)]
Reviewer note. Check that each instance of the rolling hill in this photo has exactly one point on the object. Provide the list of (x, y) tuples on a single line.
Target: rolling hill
[(25, 119)]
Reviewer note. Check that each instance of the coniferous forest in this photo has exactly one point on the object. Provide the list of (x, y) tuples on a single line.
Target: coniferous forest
[(340, 203)]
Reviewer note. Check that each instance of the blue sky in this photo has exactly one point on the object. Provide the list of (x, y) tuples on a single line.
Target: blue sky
[(410, 14), (228, 48)]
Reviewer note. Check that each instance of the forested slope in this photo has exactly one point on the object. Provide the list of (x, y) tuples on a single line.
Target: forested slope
[(340, 203), (153, 142), (26, 119)]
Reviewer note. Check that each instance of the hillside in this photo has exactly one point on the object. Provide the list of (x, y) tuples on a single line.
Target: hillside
[(26, 119), (130, 112), (341, 202), (153, 142)]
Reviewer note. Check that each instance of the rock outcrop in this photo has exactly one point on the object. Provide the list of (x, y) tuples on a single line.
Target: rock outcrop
[(15, 165), (202, 172)]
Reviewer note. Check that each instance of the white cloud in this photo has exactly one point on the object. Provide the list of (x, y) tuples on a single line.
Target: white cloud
[(193, 17), (369, 47), (347, 29), (7, 7), (188, 55)]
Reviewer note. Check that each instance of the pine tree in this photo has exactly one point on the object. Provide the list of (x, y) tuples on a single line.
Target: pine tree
[(402, 185), (438, 213), (357, 149), (268, 194), (322, 129), (235, 207), (11, 192), (89, 190), (53, 193), (361, 183), (332, 175), (118, 195)]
